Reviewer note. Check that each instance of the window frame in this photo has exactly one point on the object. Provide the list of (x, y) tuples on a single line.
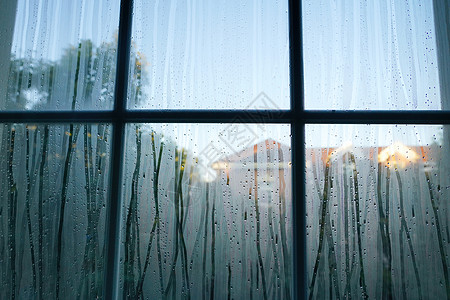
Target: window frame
[(297, 117)]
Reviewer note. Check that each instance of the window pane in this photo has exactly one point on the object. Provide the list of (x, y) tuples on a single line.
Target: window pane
[(204, 55), (53, 192), (207, 212), (377, 211), (373, 55), (63, 55)]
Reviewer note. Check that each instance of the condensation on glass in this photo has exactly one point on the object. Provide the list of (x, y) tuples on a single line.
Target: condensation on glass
[(54, 183), (377, 211), (206, 212), (373, 55), (209, 55), (62, 55)]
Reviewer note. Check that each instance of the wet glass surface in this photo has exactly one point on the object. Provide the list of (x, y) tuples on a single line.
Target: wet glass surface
[(205, 216), (377, 211)]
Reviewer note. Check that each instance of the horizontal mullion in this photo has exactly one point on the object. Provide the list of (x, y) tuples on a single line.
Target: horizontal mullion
[(230, 116), (152, 116), (376, 117)]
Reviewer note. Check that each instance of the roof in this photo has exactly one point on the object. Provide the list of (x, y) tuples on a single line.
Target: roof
[(236, 160)]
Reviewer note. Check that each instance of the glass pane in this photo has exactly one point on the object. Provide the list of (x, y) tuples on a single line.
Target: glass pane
[(379, 55), (377, 211), (207, 212), (53, 192), (205, 55), (62, 55)]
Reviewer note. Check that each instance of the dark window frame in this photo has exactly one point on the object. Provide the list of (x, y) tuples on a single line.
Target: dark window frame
[(297, 117)]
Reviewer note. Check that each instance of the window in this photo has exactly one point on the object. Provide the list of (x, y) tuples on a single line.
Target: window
[(271, 150)]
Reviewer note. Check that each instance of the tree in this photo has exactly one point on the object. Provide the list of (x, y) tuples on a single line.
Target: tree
[(46, 220)]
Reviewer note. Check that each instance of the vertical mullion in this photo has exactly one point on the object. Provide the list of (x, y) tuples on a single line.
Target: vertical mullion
[(113, 208), (123, 56), (298, 149), (296, 58), (113, 215), (299, 211)]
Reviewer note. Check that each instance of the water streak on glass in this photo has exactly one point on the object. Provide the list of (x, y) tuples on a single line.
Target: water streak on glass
[(63, 55), (204, 216), (377, 211), (54, 182), (209, 55), (380, 55)]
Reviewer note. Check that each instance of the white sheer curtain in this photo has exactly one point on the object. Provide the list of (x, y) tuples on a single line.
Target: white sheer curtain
[(370, 55)]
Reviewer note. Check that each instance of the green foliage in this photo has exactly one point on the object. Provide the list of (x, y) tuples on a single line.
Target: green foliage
[(85, 72)]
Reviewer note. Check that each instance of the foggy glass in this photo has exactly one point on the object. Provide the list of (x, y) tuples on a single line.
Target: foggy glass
[(379, 55), (377, 211), (63, 55), (209, 55), (54, 183), (206, 208), (203, 220)]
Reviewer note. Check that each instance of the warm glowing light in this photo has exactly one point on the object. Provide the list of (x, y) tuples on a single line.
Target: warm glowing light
[(341, 150), (220, 165), (397, 154)]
